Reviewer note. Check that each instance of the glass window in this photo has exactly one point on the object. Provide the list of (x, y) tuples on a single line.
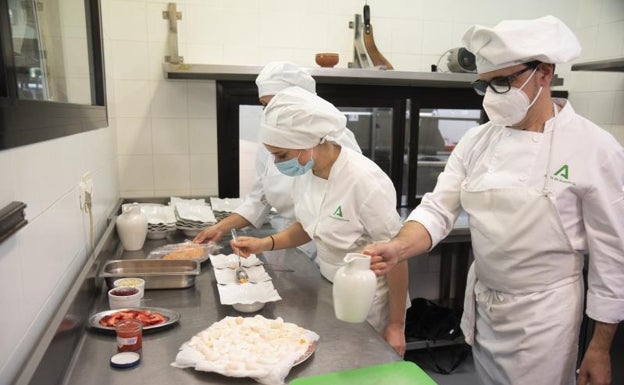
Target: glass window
[(50, 50), (439, 132)]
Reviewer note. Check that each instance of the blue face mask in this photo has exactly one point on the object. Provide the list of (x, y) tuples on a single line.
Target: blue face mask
[(291, 167)]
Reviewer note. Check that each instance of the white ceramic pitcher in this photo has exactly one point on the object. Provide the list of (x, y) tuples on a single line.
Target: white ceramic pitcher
[(354, 288), (132, 227)]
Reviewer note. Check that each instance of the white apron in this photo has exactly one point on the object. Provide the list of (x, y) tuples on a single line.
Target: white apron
[(523, 303)]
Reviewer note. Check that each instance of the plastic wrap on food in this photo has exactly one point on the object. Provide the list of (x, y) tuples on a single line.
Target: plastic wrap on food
[(185, 250)]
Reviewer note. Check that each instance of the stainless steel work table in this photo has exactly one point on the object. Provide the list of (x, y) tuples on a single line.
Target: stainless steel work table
[(306, 301)]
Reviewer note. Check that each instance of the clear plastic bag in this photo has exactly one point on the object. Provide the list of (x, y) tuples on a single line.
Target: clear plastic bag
[(185, 250)]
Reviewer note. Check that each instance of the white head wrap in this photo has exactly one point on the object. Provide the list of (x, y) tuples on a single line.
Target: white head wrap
[(296, 118), (513, 42), (278, 75)]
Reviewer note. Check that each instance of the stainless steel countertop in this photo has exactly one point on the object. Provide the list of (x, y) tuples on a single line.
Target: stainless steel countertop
[(306, 301)]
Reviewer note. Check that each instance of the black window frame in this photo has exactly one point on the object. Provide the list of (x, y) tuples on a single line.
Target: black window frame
[(24, 122)]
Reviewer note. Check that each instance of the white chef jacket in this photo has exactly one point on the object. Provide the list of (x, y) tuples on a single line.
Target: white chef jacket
[(272, 188), (355, 206), (586, 177)]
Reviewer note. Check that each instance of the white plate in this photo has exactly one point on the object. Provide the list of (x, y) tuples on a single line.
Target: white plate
[(225, 204), (230, 261)]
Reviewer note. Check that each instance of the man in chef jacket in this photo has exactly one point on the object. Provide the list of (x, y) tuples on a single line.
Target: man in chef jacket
[(542, 187), (271, 189)]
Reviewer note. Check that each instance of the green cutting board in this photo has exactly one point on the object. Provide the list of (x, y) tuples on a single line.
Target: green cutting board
[(395, 373)]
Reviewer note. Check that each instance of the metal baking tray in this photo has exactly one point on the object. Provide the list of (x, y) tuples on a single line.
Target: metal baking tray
[(157, 273)]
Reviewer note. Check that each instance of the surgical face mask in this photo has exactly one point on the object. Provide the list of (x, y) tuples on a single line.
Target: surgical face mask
[(511, 107), (292, 167)]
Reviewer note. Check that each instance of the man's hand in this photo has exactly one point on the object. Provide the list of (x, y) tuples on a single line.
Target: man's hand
[(384, 256), (596, 365)]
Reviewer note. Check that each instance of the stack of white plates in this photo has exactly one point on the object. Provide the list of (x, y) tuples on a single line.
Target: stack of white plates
[(192, 215), (161, 220)]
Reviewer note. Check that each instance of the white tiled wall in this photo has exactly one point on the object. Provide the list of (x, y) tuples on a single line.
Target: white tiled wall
[(161, 138), (40, 262), (160, 142)]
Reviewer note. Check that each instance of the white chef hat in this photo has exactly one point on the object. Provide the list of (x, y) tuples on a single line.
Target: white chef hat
[(512, 42), (296, 118), (278, 75)]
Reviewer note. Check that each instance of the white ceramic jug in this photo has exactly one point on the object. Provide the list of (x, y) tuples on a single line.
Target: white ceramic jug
[(354, 288), (132, 227)]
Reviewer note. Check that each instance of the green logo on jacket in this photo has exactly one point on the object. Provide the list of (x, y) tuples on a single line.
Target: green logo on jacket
[(338, 214), (562, 172)]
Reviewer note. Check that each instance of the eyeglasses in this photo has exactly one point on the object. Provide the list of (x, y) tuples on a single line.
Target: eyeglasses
[(500, 84)]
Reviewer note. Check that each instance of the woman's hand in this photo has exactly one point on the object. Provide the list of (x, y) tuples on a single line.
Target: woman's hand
[(251, 245), (209, 234), (395, 336)]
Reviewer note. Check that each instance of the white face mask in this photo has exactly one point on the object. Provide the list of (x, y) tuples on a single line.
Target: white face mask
[(509, 108)]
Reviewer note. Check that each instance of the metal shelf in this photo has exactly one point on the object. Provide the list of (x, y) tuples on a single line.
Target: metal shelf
[(608, 65)]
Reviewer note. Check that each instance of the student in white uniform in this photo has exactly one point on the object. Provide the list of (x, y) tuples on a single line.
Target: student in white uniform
[(271, 189), (542, 187), (343, 200)]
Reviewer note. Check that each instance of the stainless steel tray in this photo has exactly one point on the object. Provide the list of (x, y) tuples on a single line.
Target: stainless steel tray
[(157, 273)]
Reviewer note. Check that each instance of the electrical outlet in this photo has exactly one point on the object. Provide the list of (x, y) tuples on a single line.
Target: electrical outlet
[(86, 192)]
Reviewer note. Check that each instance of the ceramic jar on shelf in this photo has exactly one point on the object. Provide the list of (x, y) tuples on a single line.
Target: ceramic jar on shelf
[(354, 288), (132, 227)]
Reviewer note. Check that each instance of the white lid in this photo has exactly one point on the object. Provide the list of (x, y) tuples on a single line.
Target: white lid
[(125, 360)]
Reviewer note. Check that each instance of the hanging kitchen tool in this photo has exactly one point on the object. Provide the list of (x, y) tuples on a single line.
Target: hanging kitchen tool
[(360, 57), (369, 42)]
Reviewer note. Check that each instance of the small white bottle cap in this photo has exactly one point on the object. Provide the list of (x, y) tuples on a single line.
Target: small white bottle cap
[(125, 360)]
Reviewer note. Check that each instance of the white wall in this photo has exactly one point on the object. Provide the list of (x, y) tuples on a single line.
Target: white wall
[(40, 262), (167, 129), (161, 138)]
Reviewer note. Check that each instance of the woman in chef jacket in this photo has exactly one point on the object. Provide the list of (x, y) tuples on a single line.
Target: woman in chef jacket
[(542, 186), (343, 200), (271, 189)]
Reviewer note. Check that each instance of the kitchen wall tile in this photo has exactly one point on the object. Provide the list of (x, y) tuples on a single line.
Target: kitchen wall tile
[(601, 107), (610, 38), (588, 13), (128, 20), (170, 136), (242, 5), (580, 101), (136, 136), (242, 27), (44, 271), (203, 136), (171, 172), (602, 81), (157, 26), (279, 53), (202, 24), (405, 62), (205, 192), (588, 37), (129, 60), (203, 53), (202, 99), (438, 36), (12, 285), (184, 193), (78, 90), (241, 54), (136, 172), (133, 98), (204, 171), (138, 194), (156, 52), (406, 36), (169, 99), (611, 11), (275, 32), (39, 183), (342, 8), (339, 37), (7, 176), (618, 111)]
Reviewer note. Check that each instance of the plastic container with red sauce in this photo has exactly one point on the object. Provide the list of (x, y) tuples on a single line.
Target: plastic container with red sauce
[(129, 336)]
